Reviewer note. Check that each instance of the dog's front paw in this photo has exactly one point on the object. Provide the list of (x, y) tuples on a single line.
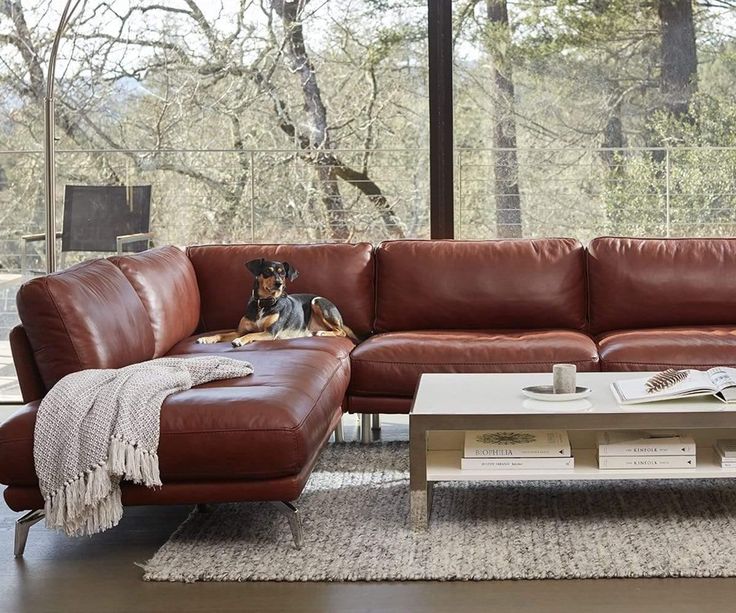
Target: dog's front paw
[(237, 343), (207, 340)]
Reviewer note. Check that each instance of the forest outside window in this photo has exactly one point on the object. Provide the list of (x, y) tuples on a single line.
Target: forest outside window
[(596, 117)]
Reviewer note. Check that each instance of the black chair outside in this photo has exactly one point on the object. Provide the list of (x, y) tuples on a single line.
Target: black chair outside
[(102, 218)]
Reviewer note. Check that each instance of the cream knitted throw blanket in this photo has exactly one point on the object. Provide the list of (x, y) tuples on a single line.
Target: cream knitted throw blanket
[(97, 427)]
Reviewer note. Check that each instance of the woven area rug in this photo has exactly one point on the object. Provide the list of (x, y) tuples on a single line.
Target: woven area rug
[(355, 520)]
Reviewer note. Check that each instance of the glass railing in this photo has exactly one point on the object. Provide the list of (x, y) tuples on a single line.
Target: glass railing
[(286, 195)]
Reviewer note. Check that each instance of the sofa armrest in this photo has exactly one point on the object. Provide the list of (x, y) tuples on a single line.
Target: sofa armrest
[(29, 378), (16, 446)]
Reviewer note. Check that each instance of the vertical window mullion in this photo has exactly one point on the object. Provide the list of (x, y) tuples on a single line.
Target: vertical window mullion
[(441, 188)]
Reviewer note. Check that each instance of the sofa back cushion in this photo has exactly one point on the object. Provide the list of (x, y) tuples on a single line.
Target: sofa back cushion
[(645, 283), (480, 284), (165, 281), (343, 273), (87, 316)]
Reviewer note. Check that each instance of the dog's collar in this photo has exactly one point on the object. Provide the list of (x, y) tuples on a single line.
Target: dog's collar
[(265, 302)]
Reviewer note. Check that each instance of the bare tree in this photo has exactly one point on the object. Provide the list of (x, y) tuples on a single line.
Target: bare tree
[(316, 141), (678, 55), (506, 162), (199, 61), (28, 80), (224, 63)]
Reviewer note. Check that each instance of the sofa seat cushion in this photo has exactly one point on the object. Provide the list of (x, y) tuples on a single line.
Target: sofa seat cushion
[(269, 424), (266, 425), (390, 364), (338, 347), (660, 348)]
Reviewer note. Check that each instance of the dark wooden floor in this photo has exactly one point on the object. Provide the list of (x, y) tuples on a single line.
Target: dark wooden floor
[(99, 574)]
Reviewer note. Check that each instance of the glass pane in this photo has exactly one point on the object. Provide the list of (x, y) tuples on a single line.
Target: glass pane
[(250, 122), (21, 251), (247, 122), (582, 119)]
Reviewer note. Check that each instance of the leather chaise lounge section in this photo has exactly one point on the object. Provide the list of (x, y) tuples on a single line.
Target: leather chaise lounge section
[(418, 306), (251, 438)]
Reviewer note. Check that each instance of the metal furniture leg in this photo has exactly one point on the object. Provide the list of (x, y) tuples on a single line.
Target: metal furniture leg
[(376, 424), (295, 520), (365, 428), (339, 434), (420, 490), (22, 526)]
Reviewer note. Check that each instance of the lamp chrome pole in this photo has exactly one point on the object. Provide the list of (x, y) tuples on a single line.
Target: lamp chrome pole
[(49, 142)]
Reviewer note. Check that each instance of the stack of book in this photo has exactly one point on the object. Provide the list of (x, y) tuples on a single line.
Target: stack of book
[(726, 452), (511, 450), (644, 451)]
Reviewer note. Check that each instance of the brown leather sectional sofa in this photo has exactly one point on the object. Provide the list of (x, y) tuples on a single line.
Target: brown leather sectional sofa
[(421, 306)]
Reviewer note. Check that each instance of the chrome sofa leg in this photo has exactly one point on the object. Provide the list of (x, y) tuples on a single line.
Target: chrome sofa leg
[(22, 526), (365, 428), (339, 433), (376, 424), (295, 520)]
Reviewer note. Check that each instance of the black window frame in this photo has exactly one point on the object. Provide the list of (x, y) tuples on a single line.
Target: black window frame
[(441, 145)]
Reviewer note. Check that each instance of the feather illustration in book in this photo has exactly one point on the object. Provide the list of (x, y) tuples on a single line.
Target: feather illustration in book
[(666, 378)]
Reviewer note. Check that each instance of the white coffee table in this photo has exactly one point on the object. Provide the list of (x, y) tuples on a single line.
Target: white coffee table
[(445, 405)]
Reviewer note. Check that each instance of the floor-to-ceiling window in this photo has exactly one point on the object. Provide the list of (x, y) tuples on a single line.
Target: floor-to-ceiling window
[(587, 118), (244, 120), (21, 218), (224, 121)]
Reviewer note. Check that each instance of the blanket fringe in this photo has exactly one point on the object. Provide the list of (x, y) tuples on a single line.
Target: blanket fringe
[(91, 502), (130, 461), (87, 504)]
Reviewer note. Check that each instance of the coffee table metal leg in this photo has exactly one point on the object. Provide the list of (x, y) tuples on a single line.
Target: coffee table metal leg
[(365, 428), (420, 495)]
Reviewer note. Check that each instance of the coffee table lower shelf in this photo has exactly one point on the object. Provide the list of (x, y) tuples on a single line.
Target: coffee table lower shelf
[(445, 466)]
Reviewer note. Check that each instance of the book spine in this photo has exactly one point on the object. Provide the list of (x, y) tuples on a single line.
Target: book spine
[(645, 462), (645, 449), (728, 464), (505, 452), (516, 463)]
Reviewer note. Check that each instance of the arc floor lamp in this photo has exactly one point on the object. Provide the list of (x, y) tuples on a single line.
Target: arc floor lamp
[(49, 140)]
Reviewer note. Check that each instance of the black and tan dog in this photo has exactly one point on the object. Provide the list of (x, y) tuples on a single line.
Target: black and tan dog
[(271, 313)]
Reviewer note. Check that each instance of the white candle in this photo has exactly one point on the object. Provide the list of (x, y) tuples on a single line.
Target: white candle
[(563, 378)]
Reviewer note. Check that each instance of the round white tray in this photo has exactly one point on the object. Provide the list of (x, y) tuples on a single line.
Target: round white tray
[(569, 406), (546, 393)]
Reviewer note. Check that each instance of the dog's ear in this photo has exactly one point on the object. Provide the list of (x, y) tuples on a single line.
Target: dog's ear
[(255, 266), (291, 272)]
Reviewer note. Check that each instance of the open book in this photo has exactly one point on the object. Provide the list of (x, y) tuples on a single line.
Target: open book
[(719, 382)]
